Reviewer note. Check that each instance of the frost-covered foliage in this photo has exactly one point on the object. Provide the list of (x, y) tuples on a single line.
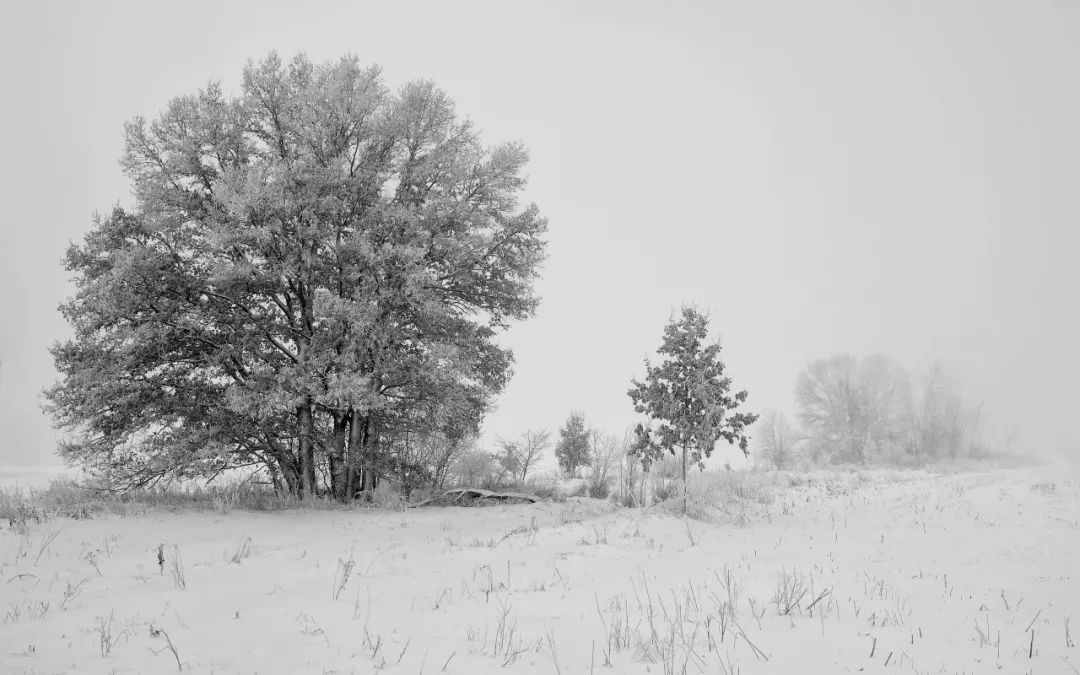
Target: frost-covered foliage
[(686, 398), (572, 450), (315, 273)]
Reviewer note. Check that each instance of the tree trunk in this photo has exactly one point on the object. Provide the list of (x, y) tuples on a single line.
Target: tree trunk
[(336, 456), (684, 480), (371, 440), (307, 450), (292, 480), (286, 465), (358, 425), (442, 465), (275, 479)]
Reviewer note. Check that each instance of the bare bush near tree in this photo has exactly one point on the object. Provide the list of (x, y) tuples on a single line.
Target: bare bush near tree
[(533, 445), (631, 475), (607, 452), (472, 468), (775, 438), (507, 460), (521, 454), (424, 458)]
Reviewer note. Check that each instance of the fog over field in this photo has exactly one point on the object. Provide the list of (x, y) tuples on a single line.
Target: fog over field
[(848, 177), (551, 337)]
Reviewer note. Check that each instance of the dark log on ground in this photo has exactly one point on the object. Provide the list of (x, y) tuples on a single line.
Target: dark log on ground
[(477, 497)]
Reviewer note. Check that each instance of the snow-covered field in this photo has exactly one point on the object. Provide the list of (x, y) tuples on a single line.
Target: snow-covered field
[(968, 573)]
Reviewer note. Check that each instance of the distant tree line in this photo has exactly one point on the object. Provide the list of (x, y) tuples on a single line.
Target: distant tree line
[(860, 410)]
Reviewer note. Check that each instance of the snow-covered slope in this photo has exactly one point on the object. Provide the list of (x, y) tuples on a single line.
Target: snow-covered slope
[(965, 573)]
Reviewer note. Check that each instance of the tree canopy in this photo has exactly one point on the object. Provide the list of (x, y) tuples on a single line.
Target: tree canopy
[(572, 449), (310, 270)]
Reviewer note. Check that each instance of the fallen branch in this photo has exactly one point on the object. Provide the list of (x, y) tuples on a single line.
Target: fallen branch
[(476, 497)]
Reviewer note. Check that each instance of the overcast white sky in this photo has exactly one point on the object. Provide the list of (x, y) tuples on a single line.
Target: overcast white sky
[(884, 177)]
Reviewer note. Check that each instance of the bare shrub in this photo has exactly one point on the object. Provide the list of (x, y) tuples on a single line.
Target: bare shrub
[(19, 511), (791, 588), (386, 496), (472, 468)]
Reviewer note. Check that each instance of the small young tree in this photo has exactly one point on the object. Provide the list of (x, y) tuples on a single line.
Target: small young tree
[(606, 457), (630, 473), (507, 460), (531, 447), (687, 398), (572, 450)]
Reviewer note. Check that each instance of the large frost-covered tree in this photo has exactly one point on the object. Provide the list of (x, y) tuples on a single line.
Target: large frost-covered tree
[(309, 268), (687, 399)]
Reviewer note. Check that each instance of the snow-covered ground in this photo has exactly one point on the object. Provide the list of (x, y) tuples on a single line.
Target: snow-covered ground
[(968, 573)]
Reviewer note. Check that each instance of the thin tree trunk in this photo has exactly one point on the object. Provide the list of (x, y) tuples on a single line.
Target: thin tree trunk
[(292, 480), (275, 479), (286, 465), (307, 449), (336, 456), (358, 425), (371, 440), (684, 480)]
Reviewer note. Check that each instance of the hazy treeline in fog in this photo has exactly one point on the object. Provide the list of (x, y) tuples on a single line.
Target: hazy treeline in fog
[(869, 409)]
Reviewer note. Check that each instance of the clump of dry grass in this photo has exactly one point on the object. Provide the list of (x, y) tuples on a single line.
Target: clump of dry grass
[(243, 550), (175, 564), (791, 588), (721, 497), (23, 507), (108, 637), (342, 575)]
